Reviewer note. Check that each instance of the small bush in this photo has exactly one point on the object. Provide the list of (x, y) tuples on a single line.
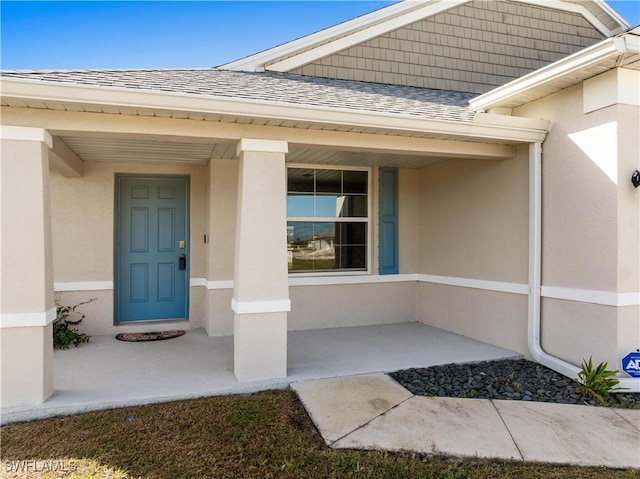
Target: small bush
[(597, 383), (64, 332)]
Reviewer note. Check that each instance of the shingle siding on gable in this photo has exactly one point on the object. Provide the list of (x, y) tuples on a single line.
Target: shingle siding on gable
[(471, 48)]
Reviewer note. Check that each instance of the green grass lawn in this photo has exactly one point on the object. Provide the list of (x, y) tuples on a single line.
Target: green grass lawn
[(266, 435)]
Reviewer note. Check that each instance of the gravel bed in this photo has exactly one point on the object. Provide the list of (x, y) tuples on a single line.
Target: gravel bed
[(519, 380)]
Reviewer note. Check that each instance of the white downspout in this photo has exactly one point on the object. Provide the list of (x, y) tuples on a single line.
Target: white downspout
[(535, 261)]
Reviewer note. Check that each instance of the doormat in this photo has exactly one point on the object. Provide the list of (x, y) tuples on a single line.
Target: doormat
[(154, 336)]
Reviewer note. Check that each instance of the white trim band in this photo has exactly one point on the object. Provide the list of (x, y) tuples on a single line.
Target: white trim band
[(514, 288), (108, 285), (27, 320), (83, 286), (220, 284), (257, 307), (605, 298)]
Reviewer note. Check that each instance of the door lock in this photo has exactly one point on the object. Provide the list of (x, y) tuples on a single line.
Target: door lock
[(182, 244)]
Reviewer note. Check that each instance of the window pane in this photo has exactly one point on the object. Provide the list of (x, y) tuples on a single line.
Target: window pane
[(355, 182), (300, 180), (351, 257), (351, 233), (328, 206), (355, 206), (300, 205), (329, 181), (311, 246)]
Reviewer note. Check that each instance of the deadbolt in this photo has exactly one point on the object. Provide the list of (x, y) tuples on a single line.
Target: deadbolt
[(182, 244)]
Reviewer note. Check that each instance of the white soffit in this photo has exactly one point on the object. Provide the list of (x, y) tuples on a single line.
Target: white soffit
[(144, 151)]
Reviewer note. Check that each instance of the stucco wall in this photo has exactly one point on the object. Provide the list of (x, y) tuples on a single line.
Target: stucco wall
[(82, 224), (628, 199), (489, 316), (574, 331), (474, 219), (473, 224), (222, 210), (579, 216), (317, 307), (590, 224), (408, 219)]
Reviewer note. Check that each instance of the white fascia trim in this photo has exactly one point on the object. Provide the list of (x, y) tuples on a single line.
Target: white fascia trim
[(259, 307), (606, 49), (256, 61), (580, 9), (499, 286), (198, 282), (362, 35), (27, 320), (83, 286), (500, 128), (606, 298), (26, 133)]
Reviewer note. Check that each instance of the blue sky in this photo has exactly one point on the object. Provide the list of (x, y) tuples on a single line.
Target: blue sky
[(151, 34)]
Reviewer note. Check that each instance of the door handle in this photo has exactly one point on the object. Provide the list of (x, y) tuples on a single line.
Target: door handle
[(182, 261)]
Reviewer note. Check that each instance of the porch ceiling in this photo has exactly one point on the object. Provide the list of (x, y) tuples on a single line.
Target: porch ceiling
[(152, 151)]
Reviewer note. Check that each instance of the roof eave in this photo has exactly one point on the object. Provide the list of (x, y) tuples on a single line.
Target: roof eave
[(607, 49), (484, 127)]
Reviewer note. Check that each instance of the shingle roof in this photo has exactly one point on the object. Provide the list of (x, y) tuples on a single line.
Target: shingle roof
[(425, 103)]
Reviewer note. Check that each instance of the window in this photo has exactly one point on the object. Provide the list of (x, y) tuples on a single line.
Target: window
[(327, 219)]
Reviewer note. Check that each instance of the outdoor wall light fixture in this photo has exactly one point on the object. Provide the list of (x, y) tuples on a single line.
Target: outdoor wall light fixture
[(635, 178)]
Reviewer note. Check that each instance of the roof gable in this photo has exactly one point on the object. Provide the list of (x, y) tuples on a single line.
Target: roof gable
[(298, 53)]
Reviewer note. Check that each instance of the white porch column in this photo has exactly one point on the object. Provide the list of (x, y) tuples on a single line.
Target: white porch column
[(261, 290), (27, 306)]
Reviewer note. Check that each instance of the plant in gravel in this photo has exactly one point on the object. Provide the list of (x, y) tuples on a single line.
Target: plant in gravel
[(597, 383), (64, 332)]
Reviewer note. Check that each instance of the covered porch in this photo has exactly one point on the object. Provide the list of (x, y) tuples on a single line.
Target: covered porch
[(65, 166), (107, 373)]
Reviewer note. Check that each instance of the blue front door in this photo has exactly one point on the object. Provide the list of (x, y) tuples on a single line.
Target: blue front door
[(151, 279)]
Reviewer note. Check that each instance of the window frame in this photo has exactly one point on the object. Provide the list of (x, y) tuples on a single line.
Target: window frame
[(368, 220)]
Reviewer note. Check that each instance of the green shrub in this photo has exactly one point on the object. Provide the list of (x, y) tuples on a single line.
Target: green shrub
[(64, 332), (597, 383)]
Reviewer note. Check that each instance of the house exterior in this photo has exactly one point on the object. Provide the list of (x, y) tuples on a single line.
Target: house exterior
[(464, 164)]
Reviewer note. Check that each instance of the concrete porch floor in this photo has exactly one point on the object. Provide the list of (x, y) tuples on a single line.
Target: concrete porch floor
[(107, 373)]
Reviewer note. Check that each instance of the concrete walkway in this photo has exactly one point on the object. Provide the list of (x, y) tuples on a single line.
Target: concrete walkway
[(372, 411)]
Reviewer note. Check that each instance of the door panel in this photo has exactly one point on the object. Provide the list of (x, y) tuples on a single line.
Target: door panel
[(151, 221)]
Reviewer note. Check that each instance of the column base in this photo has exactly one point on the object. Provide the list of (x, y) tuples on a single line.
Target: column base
[(260, 346), (27, 365)]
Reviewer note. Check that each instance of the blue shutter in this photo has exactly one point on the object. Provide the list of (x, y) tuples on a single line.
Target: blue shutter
[(388, 221)]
